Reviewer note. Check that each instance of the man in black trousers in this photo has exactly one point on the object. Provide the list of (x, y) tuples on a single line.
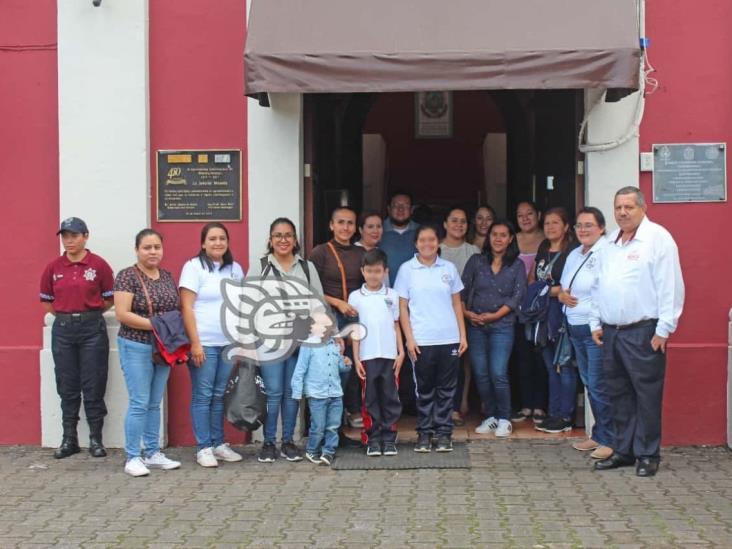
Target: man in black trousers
[(636, 307)]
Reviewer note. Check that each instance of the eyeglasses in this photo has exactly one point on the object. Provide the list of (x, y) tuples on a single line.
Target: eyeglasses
[(584, 226), (282, 236)]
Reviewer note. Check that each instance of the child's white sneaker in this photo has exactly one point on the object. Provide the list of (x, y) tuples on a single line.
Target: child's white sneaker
[(487, 426), (159, 461), (504, 428), (136, 468)]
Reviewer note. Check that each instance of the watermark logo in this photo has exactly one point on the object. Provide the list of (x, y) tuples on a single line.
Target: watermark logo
[(268, 319)]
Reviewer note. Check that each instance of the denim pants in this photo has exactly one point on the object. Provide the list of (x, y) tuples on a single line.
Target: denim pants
[(208, 383), (145, 388), (490, 349), (325, 419), (562, 385), (589, 364), (80, 355), (349, 380), (277, 377)]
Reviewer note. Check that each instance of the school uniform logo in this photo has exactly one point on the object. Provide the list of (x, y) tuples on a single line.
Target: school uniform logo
[(267, 319), (90, 274), (446, 278), (389, 302), (57, 277)]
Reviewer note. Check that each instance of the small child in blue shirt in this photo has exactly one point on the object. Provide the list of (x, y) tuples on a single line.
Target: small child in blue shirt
[(317, 376)]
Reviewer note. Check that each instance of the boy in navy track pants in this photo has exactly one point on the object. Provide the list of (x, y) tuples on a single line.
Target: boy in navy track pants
[(379, 356)]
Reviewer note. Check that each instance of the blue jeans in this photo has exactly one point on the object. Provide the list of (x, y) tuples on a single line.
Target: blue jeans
[(277, 377), (145, 388), (325, 419), (562, 385), (490, 349), (589, 363), (208, 383)]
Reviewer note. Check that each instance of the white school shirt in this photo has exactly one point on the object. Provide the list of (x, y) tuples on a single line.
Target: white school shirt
[(377, 311), (639, 280), (429, 291), (459, 255), (583, 282), (209, 299)]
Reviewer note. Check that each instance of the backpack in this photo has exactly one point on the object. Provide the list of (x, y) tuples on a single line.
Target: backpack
[(266, 267)]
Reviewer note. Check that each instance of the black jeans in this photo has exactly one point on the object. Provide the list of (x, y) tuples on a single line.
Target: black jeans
[(634, 375), (531, 370), (80, 350), (381, 409), (435, 378), (349, 379)]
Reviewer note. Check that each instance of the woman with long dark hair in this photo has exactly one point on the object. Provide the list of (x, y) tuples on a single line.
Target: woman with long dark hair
[(550, 260), (201, 302), (495, 283), (482, 221), (282, 258)]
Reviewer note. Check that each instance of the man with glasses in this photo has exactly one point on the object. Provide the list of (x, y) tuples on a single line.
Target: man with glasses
[(399, 230), (636, 305)]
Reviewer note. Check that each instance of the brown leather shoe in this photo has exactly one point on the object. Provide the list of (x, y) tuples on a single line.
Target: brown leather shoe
[(602, 452), (585, 445)]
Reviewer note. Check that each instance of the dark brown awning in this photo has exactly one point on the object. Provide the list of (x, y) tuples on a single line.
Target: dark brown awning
[(421, 45)]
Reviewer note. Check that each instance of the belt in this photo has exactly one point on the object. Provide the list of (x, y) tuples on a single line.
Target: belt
[(639, 324), (79, 317)]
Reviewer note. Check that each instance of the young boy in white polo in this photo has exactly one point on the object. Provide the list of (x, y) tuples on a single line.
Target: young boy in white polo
[(379, 356)]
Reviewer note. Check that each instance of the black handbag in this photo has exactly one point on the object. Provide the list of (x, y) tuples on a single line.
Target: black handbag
[(245, 400), (563, 350)]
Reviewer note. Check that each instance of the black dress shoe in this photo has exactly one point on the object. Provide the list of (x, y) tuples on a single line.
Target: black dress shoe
[(647, 467), (613, 462), (346, 442), (96, 448), (69, 447)]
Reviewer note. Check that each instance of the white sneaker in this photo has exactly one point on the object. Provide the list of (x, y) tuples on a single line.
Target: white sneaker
[(159, 461), (136, 468), (504, 428), (487, 426), (205, 458), (225, 453)]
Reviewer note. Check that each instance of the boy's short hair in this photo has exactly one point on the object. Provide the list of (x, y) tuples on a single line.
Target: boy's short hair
[(374, 256)]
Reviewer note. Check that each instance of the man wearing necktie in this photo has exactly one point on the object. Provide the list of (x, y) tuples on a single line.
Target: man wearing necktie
[(637, 302)]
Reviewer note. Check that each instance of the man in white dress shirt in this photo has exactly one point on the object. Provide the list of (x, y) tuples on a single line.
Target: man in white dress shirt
[(636, 306)]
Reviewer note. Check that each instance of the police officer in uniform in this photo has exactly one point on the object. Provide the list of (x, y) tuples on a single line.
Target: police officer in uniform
[(77, 288)]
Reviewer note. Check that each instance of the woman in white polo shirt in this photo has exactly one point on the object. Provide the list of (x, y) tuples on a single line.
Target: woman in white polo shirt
[(431, 317), (578, 277), (201, 301)]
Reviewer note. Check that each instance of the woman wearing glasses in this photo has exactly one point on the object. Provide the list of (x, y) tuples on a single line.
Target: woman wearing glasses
[(579, 275), (282, 258)]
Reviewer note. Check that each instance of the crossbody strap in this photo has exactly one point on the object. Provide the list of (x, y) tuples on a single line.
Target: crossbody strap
[(344, 287), (144, 289), (578, 270)]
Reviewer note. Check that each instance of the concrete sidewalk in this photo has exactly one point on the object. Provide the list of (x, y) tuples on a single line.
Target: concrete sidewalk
[(519, 493)]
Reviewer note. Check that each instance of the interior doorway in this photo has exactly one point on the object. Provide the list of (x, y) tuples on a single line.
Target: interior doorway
[(503, 147)]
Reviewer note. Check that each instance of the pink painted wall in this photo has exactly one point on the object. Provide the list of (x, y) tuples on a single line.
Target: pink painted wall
[(29, 208), (196, 102), (690, 48)]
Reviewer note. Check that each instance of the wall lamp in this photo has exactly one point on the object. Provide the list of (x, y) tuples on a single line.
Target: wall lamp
[(97, 3)]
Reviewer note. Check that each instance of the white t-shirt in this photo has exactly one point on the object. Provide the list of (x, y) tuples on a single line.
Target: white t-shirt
[(377, 311), (429, 291), (207, 306)]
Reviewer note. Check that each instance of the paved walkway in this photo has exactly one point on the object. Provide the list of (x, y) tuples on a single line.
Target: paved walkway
[(519, 493)]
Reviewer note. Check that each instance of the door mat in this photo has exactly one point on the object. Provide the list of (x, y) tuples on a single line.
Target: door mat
[(349, 459)]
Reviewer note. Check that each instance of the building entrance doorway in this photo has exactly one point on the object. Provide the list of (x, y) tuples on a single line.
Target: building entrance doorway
[(503, 147), (500, 148)]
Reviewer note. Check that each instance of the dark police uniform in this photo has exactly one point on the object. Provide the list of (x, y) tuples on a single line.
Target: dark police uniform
[(79, 340)]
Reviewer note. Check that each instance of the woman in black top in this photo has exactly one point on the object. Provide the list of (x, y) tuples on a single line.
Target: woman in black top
[(495, 283), (550, 259)]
